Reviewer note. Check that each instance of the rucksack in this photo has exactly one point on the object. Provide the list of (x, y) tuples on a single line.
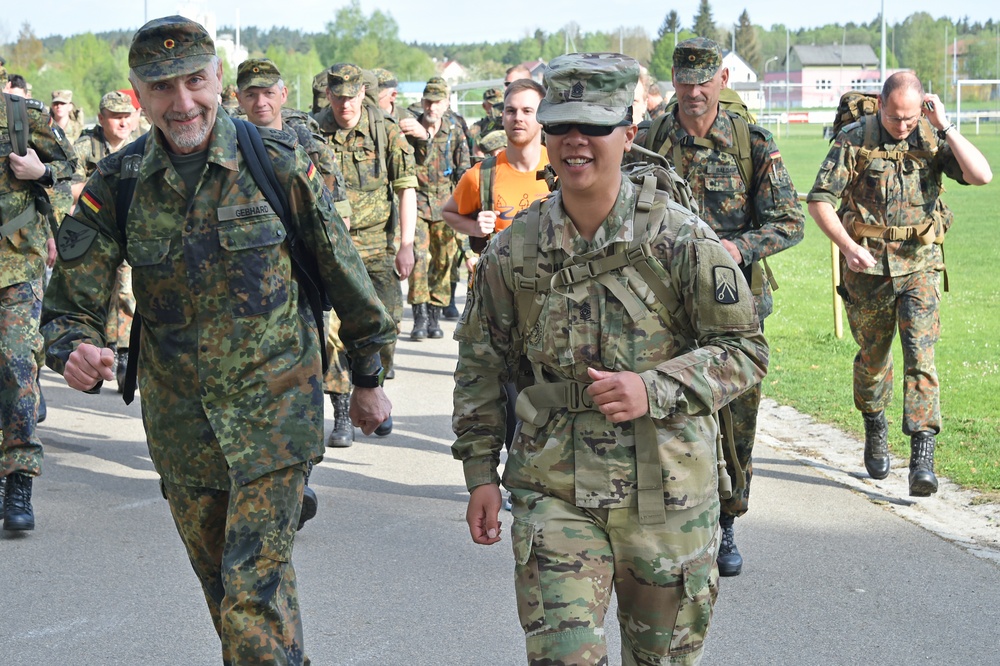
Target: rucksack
[(853, 106), (652, 203), (18, 137), (258, 162)]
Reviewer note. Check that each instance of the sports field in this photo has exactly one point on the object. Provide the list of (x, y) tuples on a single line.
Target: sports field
[(811, 368)]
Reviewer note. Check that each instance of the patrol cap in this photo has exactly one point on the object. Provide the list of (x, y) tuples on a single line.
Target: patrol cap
[(257, 73), (436, 89), (493, 96), (345, 79), (386, 79), (588, 88), (117, 102), (696, 60), (62, 96), (492, 141), (168, 47)]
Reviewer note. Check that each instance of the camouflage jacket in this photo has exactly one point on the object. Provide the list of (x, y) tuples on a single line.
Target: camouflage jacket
[(23, 254), (762, 217), (306, 131), (441, 161), (658, 110), (371, 178), (691, 366), (91, 148), (482, 127), (229, 366), (888, 193)]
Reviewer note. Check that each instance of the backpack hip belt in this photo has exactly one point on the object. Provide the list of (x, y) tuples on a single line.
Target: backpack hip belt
[(925, 232), (23, 219)]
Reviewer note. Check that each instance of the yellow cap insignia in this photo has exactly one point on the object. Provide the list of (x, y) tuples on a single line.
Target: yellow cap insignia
[(169, 43), (691, 58)]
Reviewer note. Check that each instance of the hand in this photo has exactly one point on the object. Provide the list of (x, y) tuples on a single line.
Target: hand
[(858, 258), (470, 262), (733, 251), (50, 248), (483, 514), (938, 118), (369, 408), (621, 396), (487, 222), (28, 167), (88, 365), (412, 127), (404, 260)]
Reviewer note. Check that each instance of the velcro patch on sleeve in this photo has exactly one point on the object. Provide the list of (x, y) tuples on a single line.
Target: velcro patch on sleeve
[(74, 239)]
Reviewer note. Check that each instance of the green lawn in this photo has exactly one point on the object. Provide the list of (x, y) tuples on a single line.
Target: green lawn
[(811, 368)]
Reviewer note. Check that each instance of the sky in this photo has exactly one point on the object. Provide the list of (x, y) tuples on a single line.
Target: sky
[(457, 22)]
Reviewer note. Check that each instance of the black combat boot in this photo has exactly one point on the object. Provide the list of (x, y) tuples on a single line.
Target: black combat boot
[(43, 410), (310, 503), (433, 327), (419, 331), (121, 367), (384, 428), (923, 483), (3, 487), (876, 444), (343, 432), (730, 561), (18, 515), (451, 312)]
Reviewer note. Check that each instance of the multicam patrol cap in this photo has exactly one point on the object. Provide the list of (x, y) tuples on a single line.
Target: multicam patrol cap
[(345, 80), (436, 89), (386, 79), (696, 60), (257, 73), (62, 96), (492, 141), (588, 88), (117, 102), (168, 47)]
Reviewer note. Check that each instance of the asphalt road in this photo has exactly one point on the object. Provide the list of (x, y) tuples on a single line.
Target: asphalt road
[(388, 575)]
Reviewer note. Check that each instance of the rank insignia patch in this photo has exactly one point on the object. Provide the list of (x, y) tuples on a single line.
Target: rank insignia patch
[(74, 238), (725, 285)]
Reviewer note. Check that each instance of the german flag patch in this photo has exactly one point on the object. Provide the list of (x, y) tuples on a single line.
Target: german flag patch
[(311, 173), (775, 155), (92, 202)]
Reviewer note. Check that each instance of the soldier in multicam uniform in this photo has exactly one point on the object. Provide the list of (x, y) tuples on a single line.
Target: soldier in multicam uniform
[(441, 149), (65, 114), (888, 226), (377, 164), (754, 220), (26, 247), (114, 131), (229, 369), (601, 412)]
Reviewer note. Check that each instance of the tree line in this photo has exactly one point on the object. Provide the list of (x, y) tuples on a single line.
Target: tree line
[(91, 64)]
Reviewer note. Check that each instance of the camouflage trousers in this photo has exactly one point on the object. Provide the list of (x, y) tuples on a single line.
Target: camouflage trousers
[(118, 327), (434, 250), (876, 306), (382, 271), (744, 410), (20, 348), (337, 378), (568, 560), (240, 545)]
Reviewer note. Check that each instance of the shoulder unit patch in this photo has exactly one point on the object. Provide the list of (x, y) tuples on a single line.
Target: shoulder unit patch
[(726, 291)]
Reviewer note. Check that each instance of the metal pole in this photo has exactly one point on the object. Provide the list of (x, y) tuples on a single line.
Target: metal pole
[(788, 97), (882, 60)]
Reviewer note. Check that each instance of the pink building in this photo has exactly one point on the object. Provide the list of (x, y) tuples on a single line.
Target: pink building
[(819, 75)]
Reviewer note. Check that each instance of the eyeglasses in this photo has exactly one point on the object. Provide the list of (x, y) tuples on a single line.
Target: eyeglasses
[(586, 130)]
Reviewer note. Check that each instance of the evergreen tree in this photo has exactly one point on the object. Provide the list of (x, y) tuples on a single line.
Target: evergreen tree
[(746, 42), (704, 24)]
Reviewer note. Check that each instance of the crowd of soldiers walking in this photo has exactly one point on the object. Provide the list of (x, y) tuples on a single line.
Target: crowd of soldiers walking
[(608, 338)]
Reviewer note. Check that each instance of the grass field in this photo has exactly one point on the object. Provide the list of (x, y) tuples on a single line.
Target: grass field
[(811, 368)]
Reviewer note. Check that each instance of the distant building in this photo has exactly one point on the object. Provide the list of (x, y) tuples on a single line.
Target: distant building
[(452, 71), (819, 75)]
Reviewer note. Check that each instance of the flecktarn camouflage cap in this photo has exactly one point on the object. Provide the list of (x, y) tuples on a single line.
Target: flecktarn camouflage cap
[(345, 80), (385, 78), (168, 47), (436, 89), (696, 60), (493, 141), (117, 102), (493, 96), (588, 88), (257, 73)]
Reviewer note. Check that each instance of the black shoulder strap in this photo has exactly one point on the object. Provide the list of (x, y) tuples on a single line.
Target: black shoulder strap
[(17, 123)]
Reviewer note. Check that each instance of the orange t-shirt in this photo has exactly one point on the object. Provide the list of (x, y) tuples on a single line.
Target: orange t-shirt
[(513, 191)]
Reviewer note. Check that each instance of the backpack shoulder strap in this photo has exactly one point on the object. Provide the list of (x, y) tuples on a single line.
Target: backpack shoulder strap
[(741, 141), (524, 256), (17, 123), (128, 176), (487, 180), (651, 136)]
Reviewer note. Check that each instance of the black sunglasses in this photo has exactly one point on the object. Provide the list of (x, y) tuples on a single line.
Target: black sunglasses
[(586, 130)]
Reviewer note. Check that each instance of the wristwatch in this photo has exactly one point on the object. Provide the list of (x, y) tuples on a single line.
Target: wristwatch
[(943, 133), (369, 381)]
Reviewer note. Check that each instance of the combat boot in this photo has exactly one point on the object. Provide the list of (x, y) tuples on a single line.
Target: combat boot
[(120, 368), (923, 483), (343, 431), (18, 515), (451, 313), (3, 486), (876, 444), (433, 327), (310, 503), (729, 560), (419, 331)]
